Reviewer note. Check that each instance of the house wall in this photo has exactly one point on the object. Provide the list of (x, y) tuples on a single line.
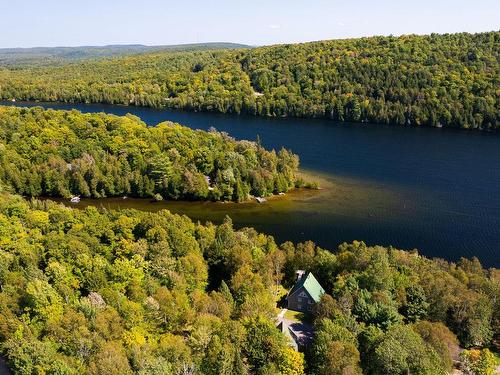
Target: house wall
[(300, 301)]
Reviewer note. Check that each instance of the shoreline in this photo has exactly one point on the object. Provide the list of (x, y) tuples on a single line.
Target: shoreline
[(42, 103), (310, 177)]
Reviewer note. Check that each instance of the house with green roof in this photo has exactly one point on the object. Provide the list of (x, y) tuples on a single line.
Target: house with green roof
[(305, 293)]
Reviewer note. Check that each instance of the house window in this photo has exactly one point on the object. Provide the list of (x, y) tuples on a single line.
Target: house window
[(299, 299), (309, 308), (310, 302), (299, 307)]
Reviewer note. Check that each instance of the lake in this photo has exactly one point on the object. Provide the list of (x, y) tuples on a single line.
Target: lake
[(436, 190)]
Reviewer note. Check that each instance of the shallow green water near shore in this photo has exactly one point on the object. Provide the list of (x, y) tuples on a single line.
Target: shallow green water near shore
[(300, 215)]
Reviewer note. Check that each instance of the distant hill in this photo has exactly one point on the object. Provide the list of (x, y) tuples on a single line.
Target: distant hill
[(51, 55)]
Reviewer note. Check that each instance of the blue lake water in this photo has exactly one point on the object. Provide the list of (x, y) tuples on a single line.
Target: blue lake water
[(436, 190)]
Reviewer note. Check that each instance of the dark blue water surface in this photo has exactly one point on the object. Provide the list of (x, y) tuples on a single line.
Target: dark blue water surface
[(445, 183)]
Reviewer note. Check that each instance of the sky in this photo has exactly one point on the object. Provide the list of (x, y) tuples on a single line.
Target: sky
[(50, 23)]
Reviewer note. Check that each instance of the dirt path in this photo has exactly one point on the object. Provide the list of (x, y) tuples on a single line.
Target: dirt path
[(281, 315)]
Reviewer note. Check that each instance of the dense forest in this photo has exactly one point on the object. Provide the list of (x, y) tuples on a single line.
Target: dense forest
[(65, 153), (122, 292), (448, 80)]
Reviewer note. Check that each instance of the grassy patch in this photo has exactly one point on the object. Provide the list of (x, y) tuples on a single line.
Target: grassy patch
[(297, 316)]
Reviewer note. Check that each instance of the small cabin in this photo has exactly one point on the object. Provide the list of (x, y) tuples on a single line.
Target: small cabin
[(305, 293)]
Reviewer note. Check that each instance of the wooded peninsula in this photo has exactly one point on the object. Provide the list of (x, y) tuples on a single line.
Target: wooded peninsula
[(448, 80), (68, 153)]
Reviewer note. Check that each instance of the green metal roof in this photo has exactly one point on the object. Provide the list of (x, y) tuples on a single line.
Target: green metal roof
[(311, 285)]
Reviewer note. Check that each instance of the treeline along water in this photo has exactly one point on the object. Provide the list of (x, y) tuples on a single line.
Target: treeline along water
[(436, 190)]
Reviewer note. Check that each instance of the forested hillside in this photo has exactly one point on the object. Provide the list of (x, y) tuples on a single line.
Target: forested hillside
[(65, 153), (446, 80), (122, 292)]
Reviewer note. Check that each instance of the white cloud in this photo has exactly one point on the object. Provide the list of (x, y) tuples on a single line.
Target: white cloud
[(274, 27)]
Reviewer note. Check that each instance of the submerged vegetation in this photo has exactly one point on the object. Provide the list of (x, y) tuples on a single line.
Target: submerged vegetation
[(446, 80), (121, 292), (65, 153)]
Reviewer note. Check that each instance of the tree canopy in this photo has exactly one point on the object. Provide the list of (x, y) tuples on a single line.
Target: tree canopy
[(448, 80), (120, 292)]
